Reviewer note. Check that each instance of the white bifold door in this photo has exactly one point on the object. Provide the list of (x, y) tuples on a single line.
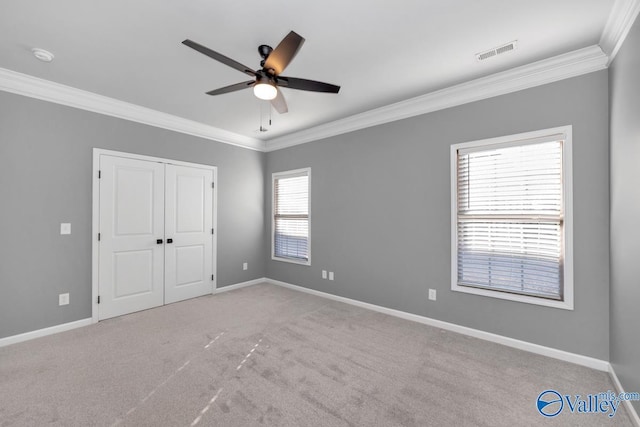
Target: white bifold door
[(156, 234)]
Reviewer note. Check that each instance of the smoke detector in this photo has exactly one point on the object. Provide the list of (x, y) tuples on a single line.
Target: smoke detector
[(497, 51), (42, 55)]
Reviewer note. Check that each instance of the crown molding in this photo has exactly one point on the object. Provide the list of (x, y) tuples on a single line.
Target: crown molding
[(621, 19), (550, 70), (33, 87)]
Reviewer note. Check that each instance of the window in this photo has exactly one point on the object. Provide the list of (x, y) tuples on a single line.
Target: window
[(511, 216), (291, 216)]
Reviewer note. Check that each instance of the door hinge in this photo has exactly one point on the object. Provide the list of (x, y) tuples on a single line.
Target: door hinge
[(212, 277), (98, 299), (212, 232), (213, 185), (98, 237), (99, 174)]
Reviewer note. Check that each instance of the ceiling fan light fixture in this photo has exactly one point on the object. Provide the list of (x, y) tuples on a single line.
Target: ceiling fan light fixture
[(265, 90)]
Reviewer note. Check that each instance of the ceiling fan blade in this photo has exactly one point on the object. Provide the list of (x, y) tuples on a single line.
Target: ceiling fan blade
[(284, 52), (219, 57), (232, 88), (279, 103), (304, 84)]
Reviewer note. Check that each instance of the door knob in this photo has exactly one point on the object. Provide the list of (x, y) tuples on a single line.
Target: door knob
[(159, 241), (169, 240)]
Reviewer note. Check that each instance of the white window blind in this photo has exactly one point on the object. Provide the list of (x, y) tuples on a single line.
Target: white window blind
[(291, 215), (510, 217)]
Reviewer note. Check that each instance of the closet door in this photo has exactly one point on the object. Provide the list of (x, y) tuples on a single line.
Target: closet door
[(131, 276), (188, 232)]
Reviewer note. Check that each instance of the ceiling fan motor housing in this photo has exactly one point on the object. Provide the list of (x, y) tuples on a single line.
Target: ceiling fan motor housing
[(264, 76)]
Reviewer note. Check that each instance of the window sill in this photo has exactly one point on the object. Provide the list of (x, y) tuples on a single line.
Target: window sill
[(565, 305), (292, 261)]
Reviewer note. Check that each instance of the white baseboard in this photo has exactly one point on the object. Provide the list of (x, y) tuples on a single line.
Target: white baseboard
[(633, 414), (14, 339), (240, 285), (578, 359)]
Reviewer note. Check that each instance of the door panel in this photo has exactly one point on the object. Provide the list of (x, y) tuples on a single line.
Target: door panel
[(190, 264), (133, 201), (131, 276), (190, 211), (132, 273), (188, 222)]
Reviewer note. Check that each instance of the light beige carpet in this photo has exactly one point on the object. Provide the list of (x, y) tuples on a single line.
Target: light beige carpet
[(266, 355)]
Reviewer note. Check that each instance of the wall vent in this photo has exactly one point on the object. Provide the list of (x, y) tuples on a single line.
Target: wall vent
[(497, 51)]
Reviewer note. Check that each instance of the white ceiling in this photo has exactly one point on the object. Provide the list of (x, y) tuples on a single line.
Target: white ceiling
[(380, 52)]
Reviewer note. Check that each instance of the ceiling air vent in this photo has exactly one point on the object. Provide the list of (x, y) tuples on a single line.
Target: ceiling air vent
[(497, 51)]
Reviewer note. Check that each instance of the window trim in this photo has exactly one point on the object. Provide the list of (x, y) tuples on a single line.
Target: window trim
[(567, 191), (289, 174)]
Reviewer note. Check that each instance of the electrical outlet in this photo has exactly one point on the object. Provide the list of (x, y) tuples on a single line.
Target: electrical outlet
[(65, 228), (331, 275), (324, 274), (245, 265), (63, 299), (432, 294)]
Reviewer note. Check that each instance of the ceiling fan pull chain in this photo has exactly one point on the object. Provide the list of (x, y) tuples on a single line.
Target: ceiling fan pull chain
[(262, 114)]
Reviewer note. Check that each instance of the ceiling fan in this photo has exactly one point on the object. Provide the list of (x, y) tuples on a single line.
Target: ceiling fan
[(267, 80)]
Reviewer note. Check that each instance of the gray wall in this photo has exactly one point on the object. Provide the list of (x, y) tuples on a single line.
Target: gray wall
[(46, 179), (380, 206), (624, 83), (380, 210)]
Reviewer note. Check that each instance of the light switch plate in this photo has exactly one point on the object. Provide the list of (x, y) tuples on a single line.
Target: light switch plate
[(432, 294), (245, 265), (65, 228), (331, 275), (324, 274)]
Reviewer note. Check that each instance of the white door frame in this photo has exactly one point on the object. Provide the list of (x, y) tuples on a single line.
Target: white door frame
[(95, 228)]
